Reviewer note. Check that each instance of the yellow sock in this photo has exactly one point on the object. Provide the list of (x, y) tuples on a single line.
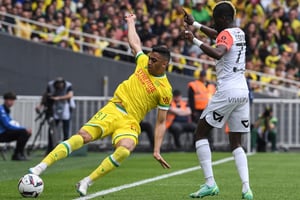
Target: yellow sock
[(110, 163), (63, 149)]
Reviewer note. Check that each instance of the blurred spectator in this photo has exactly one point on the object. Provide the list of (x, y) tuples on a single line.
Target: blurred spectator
[(254, 8), (266, 24), (200, 92), (23, 28), (293, 16), (178, 62), (158, 26), (148, 129), (75, 39), (176, 12), (200, 12), (146, 31), (272, 59), (10, 130), (179, 118), (264, 131), (3, 20)]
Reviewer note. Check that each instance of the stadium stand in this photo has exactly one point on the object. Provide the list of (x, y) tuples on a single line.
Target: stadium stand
[(96, 27)]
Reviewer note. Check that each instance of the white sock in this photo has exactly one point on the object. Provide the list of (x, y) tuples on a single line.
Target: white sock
[(38, 169), (87, 180), (241, 164), (43, 166), (204, 157)]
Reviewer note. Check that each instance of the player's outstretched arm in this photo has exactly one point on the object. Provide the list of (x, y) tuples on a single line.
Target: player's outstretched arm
[(215, 53), (160, 129), (189, 19), (133, 38)]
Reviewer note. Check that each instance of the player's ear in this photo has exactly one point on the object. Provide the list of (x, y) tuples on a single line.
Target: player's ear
[(165, 63)]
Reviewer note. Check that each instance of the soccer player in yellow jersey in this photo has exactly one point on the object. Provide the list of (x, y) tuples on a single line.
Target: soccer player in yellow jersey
[(147, 88)]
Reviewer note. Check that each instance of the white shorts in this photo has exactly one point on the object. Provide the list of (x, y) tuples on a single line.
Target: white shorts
[(231, 106)]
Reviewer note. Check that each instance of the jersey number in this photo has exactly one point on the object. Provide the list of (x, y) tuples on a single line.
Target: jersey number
[(239, 54), (100, 116)]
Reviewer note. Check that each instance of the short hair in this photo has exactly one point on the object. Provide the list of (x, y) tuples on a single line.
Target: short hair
[(224, 8), (59, 80), (9, 96), (162, 50), (176, 93)]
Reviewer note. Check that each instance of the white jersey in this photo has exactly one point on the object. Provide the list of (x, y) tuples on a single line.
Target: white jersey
[(230, 68), (231, 101)]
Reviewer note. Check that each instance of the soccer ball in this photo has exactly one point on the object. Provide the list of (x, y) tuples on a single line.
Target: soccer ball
[(30, 185)]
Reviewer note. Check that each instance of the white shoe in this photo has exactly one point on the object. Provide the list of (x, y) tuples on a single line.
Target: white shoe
[(37, 170), (82, 186)]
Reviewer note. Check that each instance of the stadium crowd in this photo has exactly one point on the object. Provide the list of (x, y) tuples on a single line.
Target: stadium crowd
[(272, 30)]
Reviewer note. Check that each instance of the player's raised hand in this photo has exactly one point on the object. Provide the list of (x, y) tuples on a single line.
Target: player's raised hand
[(161, 160), (189, 19), (187, 35), (130, 16)]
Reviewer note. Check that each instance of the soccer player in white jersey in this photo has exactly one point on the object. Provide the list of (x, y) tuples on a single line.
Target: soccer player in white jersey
[(230, 103)]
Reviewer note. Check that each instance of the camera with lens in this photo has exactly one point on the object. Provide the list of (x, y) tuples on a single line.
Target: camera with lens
[(47, 103)]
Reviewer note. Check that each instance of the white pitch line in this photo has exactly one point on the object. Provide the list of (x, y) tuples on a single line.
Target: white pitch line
[(138, 183)]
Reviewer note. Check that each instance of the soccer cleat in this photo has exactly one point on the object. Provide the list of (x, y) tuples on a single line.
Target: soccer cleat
[(37, 170), (247, 195), (82, 186), (205, 190)]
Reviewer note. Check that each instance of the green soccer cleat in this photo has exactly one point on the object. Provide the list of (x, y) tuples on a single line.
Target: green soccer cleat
[(247, 195), (205, 190)]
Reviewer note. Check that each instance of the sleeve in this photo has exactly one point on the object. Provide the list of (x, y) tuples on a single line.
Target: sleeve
[(165, 100), (6, 121), (224, 38), (69, 86)]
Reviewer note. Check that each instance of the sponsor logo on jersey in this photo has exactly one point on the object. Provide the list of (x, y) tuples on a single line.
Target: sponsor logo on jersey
[(145, 80)]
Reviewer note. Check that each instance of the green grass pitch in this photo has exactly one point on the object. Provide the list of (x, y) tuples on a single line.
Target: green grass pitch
[(273, 176)]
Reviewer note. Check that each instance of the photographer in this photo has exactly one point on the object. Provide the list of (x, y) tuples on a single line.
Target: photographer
[(57, 104), (264, 131)]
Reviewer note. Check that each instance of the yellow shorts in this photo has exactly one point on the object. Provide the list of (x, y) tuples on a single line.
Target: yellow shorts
[(111, 120)]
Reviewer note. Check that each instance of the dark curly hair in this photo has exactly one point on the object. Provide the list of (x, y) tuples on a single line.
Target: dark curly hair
[(224, 9)]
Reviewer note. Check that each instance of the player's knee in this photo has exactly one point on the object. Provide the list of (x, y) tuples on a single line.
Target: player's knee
[(127, 143), (85, 135)]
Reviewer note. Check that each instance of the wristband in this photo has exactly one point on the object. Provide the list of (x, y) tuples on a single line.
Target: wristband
[(197, 25), (197, 42)]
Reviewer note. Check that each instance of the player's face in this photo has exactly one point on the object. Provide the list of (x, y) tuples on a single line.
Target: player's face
[(220, 24), (156, 64)]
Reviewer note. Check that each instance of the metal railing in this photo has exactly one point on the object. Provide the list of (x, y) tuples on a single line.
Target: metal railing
[(284, 92), (286, 110)]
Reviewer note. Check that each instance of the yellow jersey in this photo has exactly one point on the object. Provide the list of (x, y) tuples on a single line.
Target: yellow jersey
[(142, 92)]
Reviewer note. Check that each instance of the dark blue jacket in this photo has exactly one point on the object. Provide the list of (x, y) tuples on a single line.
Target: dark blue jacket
[(6, 121)]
